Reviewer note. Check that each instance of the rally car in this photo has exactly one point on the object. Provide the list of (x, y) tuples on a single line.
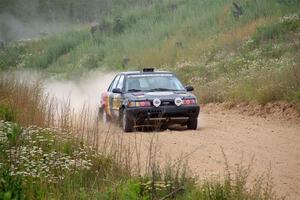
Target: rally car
[(149, 98)]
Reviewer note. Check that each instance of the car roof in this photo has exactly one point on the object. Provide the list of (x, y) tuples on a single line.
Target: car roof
[(141, 72)]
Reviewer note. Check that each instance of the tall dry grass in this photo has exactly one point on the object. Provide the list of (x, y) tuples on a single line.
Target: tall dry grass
[(26, 100)]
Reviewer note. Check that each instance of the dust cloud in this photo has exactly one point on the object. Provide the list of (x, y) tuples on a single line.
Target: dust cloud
[(79, 93), (84, 91)]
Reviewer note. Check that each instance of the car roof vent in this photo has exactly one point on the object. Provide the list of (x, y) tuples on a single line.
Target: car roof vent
[(148, 70)]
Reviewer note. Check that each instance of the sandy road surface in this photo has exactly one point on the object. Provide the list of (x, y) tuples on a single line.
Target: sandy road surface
[(274, 144)]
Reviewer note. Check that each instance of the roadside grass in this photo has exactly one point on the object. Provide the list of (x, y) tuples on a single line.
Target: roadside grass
[(22, 100), (39, 163), (265, 68)]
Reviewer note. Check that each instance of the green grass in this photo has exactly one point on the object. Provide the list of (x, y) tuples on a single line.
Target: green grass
[(38, 165), (264, 68), (60, 46), (6, 113)]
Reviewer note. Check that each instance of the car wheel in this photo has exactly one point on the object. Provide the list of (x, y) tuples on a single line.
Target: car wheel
[(127, 124), (163, 127), (192, 124)]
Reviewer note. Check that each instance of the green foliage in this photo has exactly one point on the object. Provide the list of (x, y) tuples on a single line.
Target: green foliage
[(11, 56), (60, 45), (263, 69), (10, 187), (13, 134), (277, 30), (7, 113), (125, 190), (37, 163)]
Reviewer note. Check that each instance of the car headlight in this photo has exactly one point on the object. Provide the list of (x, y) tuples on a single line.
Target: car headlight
[(139, 104), (189, 101)]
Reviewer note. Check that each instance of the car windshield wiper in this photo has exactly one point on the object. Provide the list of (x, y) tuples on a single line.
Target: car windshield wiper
[(134, 90), (162, 89)]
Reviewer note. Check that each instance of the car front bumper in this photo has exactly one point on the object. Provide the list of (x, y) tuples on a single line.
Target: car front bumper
[(164, 114)]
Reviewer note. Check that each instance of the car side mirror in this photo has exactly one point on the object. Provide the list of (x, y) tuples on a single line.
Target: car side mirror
[(189, 88), (117, 90)]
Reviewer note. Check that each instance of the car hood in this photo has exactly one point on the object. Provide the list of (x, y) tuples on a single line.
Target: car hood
[(165, 95)]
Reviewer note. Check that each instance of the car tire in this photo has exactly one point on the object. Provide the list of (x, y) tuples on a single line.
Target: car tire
[(192, 124), (127, 124), (163, 127)]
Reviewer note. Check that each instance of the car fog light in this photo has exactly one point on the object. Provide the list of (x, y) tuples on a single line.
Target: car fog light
[(178, 101), (156, 102)]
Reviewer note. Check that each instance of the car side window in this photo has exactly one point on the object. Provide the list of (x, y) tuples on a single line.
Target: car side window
[(120, 83), (114, 83)]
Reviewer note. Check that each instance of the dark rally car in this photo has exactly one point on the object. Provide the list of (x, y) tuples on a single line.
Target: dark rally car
[(149, 98)]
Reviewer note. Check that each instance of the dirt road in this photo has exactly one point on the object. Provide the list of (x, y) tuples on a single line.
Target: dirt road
[(275, 145)]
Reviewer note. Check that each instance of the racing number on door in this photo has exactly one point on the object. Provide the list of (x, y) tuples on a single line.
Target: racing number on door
[(116, 103), (115, 98)]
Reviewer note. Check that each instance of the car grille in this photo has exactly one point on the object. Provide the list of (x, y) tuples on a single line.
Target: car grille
[(167, 103)]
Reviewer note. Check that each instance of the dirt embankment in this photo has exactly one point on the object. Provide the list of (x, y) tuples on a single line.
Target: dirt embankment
[(277, 110)]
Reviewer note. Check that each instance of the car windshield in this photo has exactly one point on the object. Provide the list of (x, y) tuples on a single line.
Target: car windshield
[(152, 82)]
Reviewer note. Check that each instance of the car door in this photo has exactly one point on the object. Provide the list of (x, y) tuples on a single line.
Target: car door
[(107, 98), (117, 97)]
